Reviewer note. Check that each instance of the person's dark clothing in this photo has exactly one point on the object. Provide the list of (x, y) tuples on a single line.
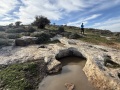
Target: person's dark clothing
[(82, 29)]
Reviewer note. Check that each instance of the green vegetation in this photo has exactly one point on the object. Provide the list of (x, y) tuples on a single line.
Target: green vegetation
[(2, 35), (61, 29), (5, 42), (41, 21), (13, 36), (24, 76), (95, 36), (40, 28), (15, 30), (2, 29), (75, 36), (18, 23), (30, 29), (96, 39)]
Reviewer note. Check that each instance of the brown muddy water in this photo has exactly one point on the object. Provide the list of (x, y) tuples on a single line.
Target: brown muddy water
[(71, 73)]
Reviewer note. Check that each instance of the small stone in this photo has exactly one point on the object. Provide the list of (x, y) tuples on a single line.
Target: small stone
[(70, 86)]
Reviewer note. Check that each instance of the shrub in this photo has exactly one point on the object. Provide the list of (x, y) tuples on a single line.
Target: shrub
[(61, 29), (74, 36), (18, 23), (2, 35), (5, 42), (41, 21), (53, 33), (15, 30), (30, 29), (25, 34), (35, 34), (42, 37), (2, 29), (13, 36), (66, 34)]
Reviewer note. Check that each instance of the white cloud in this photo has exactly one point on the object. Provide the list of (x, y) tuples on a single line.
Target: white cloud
[(83, 20), (71, 5), (6, 22), (102, 4), (32, 8), (52, 9), (112, 24), (92, 17), (7, 5)]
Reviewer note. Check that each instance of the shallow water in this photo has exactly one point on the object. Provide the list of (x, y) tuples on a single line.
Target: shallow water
[(71, 73)]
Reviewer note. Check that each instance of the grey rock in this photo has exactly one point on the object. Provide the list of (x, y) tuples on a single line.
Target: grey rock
[(25, 40)]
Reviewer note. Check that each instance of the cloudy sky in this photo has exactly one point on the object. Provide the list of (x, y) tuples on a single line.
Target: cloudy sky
[(102, 14)]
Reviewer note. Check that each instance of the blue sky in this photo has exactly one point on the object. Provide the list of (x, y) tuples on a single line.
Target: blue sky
[(101, 14)]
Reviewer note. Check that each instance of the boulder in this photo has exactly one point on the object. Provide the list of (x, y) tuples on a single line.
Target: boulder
[(25, 40), (53, 65), (75, 36)]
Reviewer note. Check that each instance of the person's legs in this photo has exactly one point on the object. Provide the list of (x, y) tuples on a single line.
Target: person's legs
[(83, 30)]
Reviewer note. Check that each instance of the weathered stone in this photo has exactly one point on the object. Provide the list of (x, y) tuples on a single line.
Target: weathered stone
[(72, 42), (69, 86), (53, 65), (25, 40), (109, 63), (69, 52)]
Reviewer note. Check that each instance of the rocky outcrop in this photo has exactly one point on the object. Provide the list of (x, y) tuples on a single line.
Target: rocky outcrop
[(25, 40), (53, 65), (100, 75)]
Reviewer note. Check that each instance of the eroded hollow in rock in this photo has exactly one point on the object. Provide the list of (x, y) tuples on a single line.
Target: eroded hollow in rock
[(68, 53), (73, 62), (71, 56)]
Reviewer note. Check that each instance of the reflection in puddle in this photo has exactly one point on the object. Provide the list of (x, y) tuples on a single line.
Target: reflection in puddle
[(71, 73)]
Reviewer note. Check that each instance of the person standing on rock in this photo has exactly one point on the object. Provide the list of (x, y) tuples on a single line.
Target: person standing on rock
[(82, 28)]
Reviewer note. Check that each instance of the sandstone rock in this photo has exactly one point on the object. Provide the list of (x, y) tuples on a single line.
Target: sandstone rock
[(69, 86), (53, 65), (109, 63), (56, 37), (25, 40), (72, 42)]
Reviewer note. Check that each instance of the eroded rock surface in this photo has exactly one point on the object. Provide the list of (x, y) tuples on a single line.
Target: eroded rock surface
[(25, 40), (105, 78)]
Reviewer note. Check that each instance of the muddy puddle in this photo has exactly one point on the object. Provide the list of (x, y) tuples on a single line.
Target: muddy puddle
[(71, 73)]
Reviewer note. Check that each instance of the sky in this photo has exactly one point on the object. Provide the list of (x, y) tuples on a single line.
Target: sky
[(99, 14)]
